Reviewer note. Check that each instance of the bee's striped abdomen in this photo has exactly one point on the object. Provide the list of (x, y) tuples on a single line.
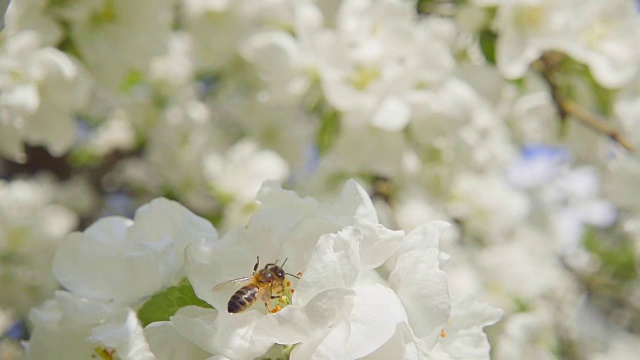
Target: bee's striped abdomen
[(243, 299)]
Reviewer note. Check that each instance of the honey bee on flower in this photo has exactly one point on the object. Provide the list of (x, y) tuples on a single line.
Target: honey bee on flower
[(261, 285)]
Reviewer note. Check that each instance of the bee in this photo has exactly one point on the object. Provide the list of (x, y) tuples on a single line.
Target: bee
[(261, 285)]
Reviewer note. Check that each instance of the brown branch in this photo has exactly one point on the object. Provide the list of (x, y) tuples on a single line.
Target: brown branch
[(571, 108), (547, 65)]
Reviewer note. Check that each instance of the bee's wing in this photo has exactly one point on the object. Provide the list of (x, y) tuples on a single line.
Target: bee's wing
[(235, 283)]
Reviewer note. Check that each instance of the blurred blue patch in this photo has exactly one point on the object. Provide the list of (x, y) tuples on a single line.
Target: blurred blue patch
[(537, 165), (530, 152), (208, 84), (83, 129), (312, 156), (310, 166), (17, 331), (119, 203)]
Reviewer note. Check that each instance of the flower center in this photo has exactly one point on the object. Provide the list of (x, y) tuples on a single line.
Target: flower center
[(364, 76), (530, 17), (100, 352), (286, 298), (106, 15)]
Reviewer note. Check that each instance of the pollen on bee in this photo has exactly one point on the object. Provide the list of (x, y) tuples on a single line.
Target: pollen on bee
[(443, 334)]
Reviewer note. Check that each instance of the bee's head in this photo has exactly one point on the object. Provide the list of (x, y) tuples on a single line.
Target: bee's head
[(276, 270)]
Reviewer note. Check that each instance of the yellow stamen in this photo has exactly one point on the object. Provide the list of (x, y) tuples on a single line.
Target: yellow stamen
[(103, 353)]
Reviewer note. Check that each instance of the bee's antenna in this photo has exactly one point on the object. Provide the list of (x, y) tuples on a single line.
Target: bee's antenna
[(295, 276), (282, 266)]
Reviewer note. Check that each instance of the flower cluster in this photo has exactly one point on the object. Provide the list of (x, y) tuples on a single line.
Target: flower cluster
[(513, 121), (364, 290), (32, 225)]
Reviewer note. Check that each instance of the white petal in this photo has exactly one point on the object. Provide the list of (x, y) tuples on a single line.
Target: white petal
[(62, 63), (464, 337), (426, 236), (56, 339), (197, 325), (597, 212), (469, 313), (354, 201), (277, 57), (334, 263), (271, 194), (117, 259), (391, 350), (295, 324), (230, 335), (164, 222), (375, 315), (83, 311), (11, 142), (22, 97), (167, 344), (83, 261), (125, 335), (422, 288), (333, 346), (62, 326), (393, 114), (377, 243)]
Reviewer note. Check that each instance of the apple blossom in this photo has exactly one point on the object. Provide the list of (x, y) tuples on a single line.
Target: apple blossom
[(342, 305), (32, 224), (512, 120), (39, 96), (122, 260)]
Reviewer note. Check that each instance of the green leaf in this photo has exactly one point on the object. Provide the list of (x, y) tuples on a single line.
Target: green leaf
[(604, 98), (521, 304), (328, 131), (616, 253), (132, 78), (488, 41), (163, 305), (429, 6), (83, 156)]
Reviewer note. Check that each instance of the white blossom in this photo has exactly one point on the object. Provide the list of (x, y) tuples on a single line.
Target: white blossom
[(77, 328), (240, 172), (342, 305), (135, 31), (32, 225), (107, 270), (491, 133), (39, 96), (122, 260)]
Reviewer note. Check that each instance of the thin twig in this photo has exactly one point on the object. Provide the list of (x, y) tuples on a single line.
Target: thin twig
[(565, 107), (594, 123)]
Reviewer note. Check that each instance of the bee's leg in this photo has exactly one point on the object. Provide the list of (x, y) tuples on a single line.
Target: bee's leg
[(255, 267), (266, 297)]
